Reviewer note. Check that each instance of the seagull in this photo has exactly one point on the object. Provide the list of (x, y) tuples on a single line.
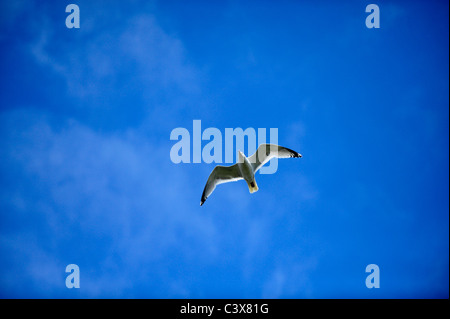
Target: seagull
[(245, 168)]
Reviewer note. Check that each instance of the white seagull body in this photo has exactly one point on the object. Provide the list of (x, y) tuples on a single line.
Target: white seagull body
[(245, 168)]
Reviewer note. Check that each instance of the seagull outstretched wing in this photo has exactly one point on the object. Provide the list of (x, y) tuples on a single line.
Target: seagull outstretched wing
[(219, 175), (266, 152)]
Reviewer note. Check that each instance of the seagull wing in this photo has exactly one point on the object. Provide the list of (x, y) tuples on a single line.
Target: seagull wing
[(219, 175), (266, 152)]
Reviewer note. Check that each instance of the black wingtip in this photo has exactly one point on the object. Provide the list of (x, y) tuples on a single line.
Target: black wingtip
[(294, 153)]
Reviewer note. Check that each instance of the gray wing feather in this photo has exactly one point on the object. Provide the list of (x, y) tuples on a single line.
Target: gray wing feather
[(219, 175), (266, 152)]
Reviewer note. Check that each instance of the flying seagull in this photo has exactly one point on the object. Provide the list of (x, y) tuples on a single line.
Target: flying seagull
[(245, 168)]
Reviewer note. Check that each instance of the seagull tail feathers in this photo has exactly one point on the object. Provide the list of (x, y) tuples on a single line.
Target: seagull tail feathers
[(253, 187)]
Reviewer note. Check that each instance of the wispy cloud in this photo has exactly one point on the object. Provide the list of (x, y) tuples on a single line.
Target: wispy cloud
[(97, 62), (76, 182), (291, 280)]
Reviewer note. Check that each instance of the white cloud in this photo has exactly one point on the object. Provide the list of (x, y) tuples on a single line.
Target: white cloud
[(291, 280), (95, 186), (98, 61)]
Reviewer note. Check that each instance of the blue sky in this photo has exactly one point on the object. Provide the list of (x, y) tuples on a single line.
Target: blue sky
[(86, 176)]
